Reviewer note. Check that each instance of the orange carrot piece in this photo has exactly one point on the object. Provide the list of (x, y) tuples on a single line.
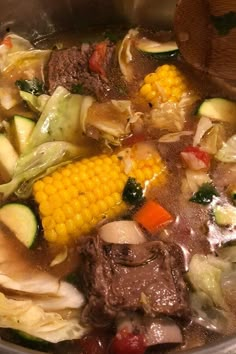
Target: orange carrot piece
[(152, 215)]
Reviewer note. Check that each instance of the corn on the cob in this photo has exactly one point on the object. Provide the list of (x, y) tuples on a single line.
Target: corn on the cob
[(73, 199), (166, 84)]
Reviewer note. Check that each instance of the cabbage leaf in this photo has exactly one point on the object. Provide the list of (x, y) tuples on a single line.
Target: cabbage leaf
[(57, 138), (26, 316), (171, 116), (228, 152), (40, 304), (213, 139), (18, 61), (17, 44), (228, 253), (207, 315), (168, 116), (205, 274), (60, 119), (112, 120), (36, 103), (26, 63), (207, 298), (125, 57)]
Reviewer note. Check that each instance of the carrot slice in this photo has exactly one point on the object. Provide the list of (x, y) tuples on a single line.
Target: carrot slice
[(152, 215)]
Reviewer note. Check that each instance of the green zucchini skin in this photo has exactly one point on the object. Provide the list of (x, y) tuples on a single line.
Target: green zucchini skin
[(219, 109), (22, 221)]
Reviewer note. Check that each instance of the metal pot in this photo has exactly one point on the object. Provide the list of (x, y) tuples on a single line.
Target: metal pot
[(38, 18)]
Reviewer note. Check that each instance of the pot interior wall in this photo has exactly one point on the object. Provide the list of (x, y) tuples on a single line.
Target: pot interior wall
[(36, 18)]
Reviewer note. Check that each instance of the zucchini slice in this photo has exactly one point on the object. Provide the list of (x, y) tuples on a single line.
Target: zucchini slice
[(219, 109), (28, 337), (225, 215), (21, 220), (22, 128), (165, 49), (8, 158)]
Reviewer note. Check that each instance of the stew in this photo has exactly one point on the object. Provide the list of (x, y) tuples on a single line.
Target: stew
[(118, 196)]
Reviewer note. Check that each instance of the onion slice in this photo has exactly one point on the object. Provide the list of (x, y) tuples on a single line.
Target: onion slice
[(123, 231)]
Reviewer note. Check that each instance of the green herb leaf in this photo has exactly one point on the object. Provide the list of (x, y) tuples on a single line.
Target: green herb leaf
[(35, 86), (77, 89), (133, 192), (205, 194), (224, 24)]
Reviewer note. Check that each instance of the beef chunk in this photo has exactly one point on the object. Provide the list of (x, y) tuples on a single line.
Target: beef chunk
[(118, 278), (70, 68)]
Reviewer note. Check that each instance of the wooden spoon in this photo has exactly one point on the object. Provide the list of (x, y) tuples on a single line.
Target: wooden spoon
[(206, 35)]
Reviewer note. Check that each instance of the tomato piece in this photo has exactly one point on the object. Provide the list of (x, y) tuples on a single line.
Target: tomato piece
[(7, 42), (127, 343), (96, 61), (94, 343), (195, 158)]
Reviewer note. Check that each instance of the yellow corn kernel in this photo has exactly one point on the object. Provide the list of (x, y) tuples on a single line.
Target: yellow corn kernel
[(38, 186), (51, 235), (166, 84), (70, 226), (150, 78), (58, 216), (41, 196), (150, 95), (55, 201), (73, 203), (56, 176), (145, 89), (50, 189), (45, 208), (48, 180)]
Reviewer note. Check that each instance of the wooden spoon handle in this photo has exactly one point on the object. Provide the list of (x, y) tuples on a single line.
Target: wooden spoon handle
[(206, 35)]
